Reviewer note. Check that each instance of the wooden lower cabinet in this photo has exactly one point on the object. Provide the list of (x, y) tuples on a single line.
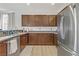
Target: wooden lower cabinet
[(42, 39), (3, 48), (33, 38), (54, 37), (23, 40)]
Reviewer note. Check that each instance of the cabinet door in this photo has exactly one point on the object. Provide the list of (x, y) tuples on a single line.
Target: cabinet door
[(33, 38), (55, 38), (25, 20), (41, 20), (45, 20), (40, 39), (52, 20), (45, 39), (32, 20), (3, 48), (23, 41), (38, 20)]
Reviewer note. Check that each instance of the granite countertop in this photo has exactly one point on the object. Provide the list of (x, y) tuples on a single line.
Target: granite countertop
[(18, 34), (10, 36)]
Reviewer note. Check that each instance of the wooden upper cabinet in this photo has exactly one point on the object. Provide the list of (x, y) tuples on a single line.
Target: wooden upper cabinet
[(45, 20), (25, 20), (52, 20), (39, 20), (32, 20)]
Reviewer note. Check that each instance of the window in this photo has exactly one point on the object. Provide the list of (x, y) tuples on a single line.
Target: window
[(0, 21), (5, 21)]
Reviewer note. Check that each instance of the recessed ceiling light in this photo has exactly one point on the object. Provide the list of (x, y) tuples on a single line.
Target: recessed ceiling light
[(52, 3), (28, 4)]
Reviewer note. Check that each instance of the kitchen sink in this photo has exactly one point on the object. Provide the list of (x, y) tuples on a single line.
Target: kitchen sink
[(7, 33)]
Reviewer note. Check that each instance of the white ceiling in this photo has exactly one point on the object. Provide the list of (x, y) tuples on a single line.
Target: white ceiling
[(34, 8)]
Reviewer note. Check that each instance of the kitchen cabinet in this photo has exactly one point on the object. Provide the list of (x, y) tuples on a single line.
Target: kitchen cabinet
[(45, 39), (25, 20), (38, 20), (23, 40), (45, 20), (32, 20), (33, 38), (35, 20), (54, 37), (42, 20), (52, 20), (3, 48), (42, 39)]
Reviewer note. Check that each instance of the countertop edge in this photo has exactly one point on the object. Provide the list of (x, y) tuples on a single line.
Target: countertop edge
[(14, 35)]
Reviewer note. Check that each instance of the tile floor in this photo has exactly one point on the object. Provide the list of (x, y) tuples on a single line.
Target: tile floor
[(36, 50)]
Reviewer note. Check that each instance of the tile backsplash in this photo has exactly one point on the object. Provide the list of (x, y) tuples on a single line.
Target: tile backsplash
[(40, 28)]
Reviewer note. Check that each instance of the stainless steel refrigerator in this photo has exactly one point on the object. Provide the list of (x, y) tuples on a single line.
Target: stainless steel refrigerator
[(68, 31)]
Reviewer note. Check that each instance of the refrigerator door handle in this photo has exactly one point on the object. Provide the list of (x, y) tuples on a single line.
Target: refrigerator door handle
[(72, 10), (62, 33), (75, 20)]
